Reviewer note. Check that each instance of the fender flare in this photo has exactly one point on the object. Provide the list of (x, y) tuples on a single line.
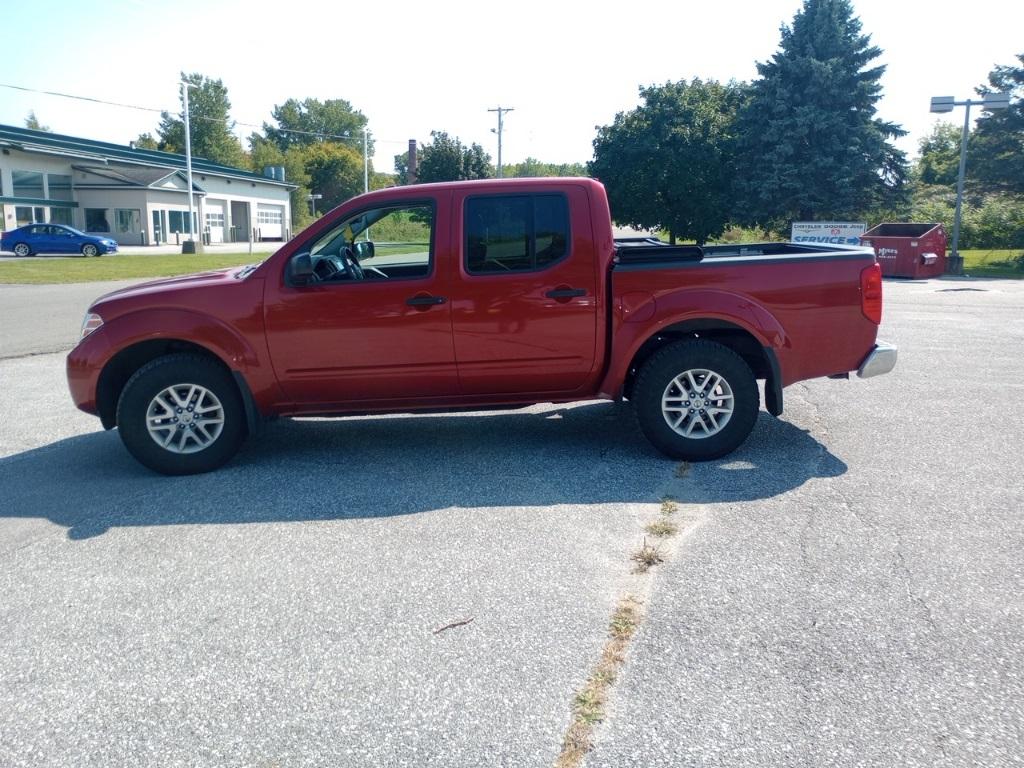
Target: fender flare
[(677, 309)]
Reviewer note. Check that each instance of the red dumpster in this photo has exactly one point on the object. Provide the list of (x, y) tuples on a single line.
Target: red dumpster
[(908, 250)]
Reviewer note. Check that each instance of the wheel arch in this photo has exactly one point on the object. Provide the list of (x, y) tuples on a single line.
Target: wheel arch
[(760, 357), (120, 368)]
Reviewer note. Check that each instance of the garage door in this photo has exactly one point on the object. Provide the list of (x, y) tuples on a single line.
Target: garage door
[(214, 222), (270, 221)]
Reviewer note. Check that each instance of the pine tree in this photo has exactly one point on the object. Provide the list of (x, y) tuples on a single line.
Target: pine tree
[(811, 146), (996, 150), (33, 122)]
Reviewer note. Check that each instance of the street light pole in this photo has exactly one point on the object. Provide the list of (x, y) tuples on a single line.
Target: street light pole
[(189, 246), (956, 265), (990, 101), (366, 163), (312, 201), (501, 125)]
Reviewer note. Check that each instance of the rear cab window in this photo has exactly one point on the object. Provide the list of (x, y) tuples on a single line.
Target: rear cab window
[(515, 233)]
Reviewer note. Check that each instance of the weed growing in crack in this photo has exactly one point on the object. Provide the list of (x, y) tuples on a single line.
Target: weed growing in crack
[(590, 703), (662, 528), (646, 556)]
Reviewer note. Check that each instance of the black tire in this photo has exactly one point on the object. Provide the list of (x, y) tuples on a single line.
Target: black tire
[(657, 375), (169, 371), (90, 250), (22, 249)]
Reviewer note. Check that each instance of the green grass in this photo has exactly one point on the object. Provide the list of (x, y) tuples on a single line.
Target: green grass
[(40, 271), (49, 271), (994, 263)]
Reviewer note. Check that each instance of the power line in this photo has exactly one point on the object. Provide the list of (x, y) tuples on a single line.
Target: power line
[(80, 98), (194, 117)]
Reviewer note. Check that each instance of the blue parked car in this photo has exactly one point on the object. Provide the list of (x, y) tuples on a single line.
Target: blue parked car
[(54, 238)]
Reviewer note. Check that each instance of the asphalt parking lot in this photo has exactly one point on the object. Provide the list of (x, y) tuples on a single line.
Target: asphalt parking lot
[(849, 593)]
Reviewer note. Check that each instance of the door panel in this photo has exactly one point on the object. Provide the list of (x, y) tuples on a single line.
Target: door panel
[(519, 327), (345, 342), (42, 239)]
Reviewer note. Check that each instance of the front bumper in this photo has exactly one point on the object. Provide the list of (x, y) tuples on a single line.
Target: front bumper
[(880, 360), (107, 248), (84, 364)]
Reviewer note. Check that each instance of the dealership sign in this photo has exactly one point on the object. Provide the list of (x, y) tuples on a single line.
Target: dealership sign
[(831, 232)]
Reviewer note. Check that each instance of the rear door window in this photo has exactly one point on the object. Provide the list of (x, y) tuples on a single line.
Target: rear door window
[(515, 233)]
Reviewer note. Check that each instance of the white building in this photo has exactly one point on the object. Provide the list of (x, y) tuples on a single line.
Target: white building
[(136, 196)]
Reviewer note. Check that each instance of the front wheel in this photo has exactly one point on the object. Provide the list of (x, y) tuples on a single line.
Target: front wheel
[(696, 400), (181, 415), (89, 250)]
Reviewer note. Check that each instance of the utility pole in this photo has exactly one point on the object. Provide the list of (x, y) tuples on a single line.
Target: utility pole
[(366, 175), (189, 246), (366, 163), (501, 125)]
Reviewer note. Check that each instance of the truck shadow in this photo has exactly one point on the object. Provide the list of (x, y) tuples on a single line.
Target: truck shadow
[(311, 469)]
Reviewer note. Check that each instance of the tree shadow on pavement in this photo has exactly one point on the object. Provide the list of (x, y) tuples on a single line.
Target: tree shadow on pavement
[(321, 469)]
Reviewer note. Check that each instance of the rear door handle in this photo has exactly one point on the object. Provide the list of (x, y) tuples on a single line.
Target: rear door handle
[(425, 301), (565, 293)]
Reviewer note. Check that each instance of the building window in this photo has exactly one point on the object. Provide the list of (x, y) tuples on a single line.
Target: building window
[(60, 216), (177, 221), (28, 184), (264, 216), (127, 221), (215, 219), (96, 220), (26, 214), (58, 186)]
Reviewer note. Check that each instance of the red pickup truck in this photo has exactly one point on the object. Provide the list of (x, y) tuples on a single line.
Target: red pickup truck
[(471, 295)]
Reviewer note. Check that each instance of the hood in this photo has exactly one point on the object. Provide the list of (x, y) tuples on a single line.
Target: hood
[(167, 286)]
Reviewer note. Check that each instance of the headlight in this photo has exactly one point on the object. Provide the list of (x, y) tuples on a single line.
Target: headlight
[(91, 322)]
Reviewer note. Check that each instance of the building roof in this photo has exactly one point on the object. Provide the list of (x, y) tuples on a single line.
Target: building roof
[(43, 141), (134, 176)]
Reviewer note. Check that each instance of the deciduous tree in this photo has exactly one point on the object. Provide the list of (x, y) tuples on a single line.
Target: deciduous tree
[(446, 158), (668, 164), (210, 124), (263, 153), (335, 171), (300, 123), (940, 155)]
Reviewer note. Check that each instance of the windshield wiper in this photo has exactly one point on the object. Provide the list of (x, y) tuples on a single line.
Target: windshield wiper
[(245, 271)]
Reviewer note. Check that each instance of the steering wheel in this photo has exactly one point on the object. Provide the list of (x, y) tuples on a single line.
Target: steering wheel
[(352, 263)]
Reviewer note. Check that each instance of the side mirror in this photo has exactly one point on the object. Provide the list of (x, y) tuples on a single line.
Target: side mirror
[(363, 250), (300, 269)]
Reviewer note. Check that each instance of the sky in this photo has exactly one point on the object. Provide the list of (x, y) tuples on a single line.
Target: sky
[(563, 66)]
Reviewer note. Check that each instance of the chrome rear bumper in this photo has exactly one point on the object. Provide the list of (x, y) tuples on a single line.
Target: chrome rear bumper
[(881, 359)]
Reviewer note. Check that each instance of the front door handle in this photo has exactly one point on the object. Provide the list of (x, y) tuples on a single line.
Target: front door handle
[(425, 301), (565, 293)]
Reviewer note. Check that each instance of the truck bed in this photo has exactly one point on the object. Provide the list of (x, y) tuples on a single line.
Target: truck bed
[(801, 300), (641, 252)]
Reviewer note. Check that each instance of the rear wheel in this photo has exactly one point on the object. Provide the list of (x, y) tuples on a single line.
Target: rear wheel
[(90, 250), (181, 415), (696, 400), (22, 249)]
